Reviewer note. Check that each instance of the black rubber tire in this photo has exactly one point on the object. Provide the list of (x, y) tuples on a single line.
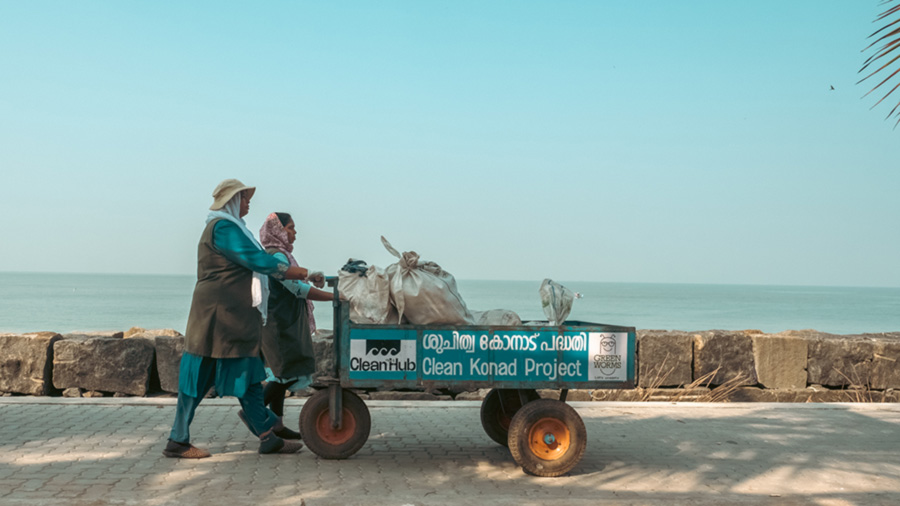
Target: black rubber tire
[(321, 439), (539, 421), (494, 419)]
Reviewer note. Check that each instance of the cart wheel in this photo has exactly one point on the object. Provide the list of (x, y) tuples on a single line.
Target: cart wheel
[(547, 438), (495, 419), (326, 441)]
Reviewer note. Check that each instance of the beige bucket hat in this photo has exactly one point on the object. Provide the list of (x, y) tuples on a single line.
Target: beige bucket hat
[(226, 189)]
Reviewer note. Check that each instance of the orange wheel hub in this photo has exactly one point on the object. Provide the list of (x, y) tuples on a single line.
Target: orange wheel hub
[(334, 436), (549, 439)]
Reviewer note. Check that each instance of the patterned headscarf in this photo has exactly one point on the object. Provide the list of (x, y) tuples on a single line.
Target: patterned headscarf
[(273, 235)]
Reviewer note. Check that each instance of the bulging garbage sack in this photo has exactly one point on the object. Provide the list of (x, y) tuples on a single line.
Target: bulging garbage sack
[(423, 293), (496, 317), (367, 289), (556, 301)]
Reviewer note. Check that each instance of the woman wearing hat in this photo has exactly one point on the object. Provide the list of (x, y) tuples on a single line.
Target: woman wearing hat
[(228, 310)]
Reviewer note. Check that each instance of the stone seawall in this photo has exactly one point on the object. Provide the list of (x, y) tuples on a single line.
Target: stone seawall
[(712, 365)]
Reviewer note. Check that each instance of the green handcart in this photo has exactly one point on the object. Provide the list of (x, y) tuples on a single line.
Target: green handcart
[(546, 437)]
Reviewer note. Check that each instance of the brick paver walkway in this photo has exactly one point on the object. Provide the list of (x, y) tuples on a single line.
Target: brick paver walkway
[(108, 451)]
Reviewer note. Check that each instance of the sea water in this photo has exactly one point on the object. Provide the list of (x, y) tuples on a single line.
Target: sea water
[(87, 302)]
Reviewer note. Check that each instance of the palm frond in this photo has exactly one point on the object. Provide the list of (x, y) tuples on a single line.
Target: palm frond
[(891, 43)]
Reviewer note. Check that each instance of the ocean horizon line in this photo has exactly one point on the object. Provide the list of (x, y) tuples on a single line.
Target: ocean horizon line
[(78, 300)]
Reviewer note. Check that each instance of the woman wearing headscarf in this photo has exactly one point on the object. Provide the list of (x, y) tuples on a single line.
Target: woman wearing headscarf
[(287, 338), (228, 311)]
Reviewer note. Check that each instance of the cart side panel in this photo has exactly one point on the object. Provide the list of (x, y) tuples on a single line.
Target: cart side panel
[(381, 356), (581, 355)]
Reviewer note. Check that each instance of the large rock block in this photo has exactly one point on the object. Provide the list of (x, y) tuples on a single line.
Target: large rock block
[(168, 360), (730, 354), (664, 358), (104, 364), (169, 344), (780, 361), (884, 372), (26, 362), (323, 345), (869, 360), (837, 361)]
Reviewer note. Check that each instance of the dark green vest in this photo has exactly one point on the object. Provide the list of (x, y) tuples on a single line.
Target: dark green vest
[(222, 322)]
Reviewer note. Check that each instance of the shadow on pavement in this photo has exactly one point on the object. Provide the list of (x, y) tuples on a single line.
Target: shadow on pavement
[(427, 455)]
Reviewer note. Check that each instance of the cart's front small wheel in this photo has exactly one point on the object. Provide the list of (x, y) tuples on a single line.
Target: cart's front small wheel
[(497, 410), (335, 442), (547, 438)]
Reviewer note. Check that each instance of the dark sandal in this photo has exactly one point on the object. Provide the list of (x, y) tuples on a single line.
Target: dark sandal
[(285, 433), (176, 450), (272, 444)]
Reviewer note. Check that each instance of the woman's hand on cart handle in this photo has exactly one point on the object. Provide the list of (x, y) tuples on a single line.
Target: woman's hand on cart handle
[(317, 278)]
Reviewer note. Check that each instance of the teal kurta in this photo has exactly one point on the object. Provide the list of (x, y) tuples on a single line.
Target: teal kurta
[(233, 375)]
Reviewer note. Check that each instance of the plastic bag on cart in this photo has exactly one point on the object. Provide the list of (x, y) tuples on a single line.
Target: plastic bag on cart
[(556, 301), (496, 317), (423, 293), (368, 290)]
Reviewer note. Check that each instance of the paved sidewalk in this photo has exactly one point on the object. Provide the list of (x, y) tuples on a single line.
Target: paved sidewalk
[(108, 451)]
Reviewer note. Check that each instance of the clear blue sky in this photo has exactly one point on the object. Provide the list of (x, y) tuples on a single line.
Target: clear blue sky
[(655, 141)]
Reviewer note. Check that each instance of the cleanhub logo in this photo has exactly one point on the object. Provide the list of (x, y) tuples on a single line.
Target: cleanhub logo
[(387, 355)]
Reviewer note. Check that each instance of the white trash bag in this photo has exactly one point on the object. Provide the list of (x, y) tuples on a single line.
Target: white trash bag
[(556, 301), (368, 292), (496, 317), (423, 293)]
